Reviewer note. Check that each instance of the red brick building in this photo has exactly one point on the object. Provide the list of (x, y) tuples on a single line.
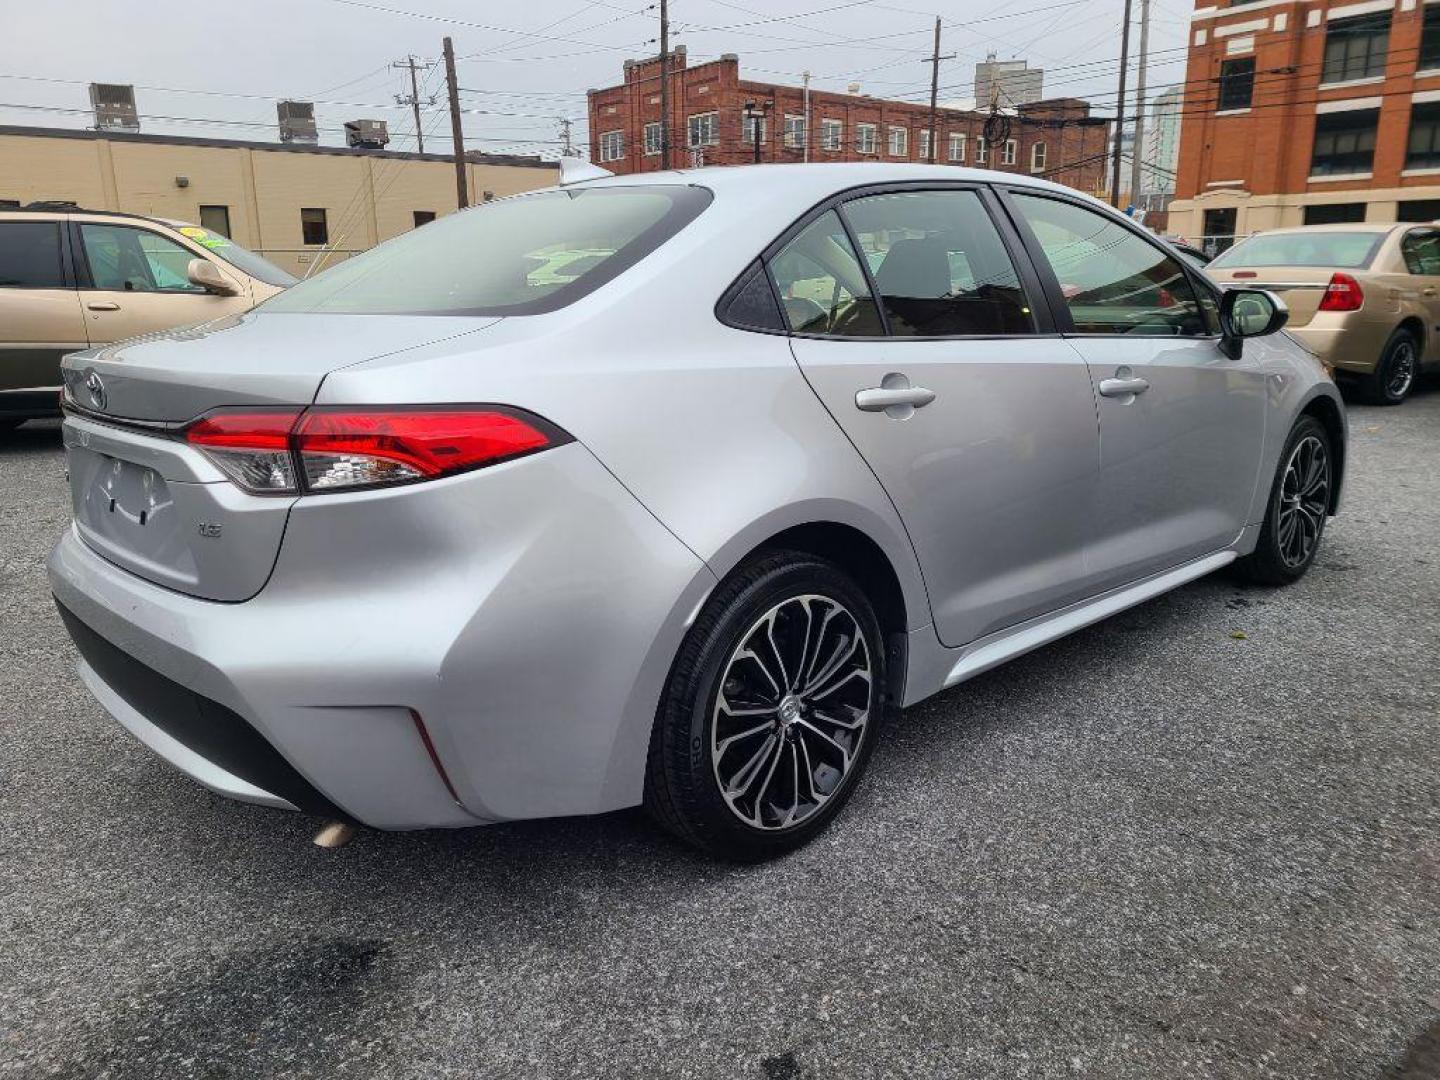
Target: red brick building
[(1058, 138), (1308, 113)]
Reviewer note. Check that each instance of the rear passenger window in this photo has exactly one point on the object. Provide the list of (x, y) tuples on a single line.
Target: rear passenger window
[(1113, 281), (939, 264), (1421, 250), (30, 255), (821, 285)]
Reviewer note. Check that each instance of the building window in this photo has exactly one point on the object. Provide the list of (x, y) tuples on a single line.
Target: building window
[(1334, 213), (1430, 39), (215, 219), (1237, 83), (1007, 152), (1344, 142), (832, 134), (612, 145), (865, 136), (313, 228), (957, 147), (899, 140), (748, 124), (1218, 227), (1418, 209), (1037, 157), (422, 217), (794, 131), (703, 129), (1355, 48), (924, 145), (982, 152), (652, 138), (1423, 149)]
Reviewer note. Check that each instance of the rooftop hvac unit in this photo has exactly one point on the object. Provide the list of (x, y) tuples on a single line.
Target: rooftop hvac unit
[(297, 122), (367, 134), (114, 107)]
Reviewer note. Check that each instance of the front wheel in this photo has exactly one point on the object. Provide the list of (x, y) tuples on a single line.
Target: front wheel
[(1299, 503), (770, 712)]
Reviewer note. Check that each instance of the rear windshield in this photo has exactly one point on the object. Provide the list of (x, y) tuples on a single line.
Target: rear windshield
[(243, 259), (1341, 249), (519, 256)]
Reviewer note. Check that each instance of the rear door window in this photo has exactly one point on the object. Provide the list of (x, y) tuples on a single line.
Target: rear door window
[(1111, 280), (30, 255), (939, 264), (821, 285), (1421, 251)]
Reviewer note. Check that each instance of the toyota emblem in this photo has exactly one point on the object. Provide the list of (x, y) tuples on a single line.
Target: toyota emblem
[(95, 386)]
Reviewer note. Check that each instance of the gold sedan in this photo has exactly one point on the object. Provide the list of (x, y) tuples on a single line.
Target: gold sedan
[(1364, 298)]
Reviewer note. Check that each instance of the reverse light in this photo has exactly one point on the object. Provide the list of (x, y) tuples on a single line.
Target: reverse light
[(330, 448), (1343, 293)]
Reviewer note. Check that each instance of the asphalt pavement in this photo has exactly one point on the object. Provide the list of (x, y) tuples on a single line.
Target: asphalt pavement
[(1201, 839)]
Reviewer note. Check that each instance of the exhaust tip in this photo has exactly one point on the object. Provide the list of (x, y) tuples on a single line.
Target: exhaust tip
[(336, 834)]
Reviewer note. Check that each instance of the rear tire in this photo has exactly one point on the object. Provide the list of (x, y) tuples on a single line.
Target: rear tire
[(1299, 503), (1396, 373), (771, 709)]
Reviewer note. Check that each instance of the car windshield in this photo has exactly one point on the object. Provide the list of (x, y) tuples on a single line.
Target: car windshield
[(243, 259), (1350, 250), (520, 256)]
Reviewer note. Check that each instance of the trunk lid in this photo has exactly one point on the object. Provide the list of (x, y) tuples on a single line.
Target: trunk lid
[(156, 506), (250, 359), (1301, 287)]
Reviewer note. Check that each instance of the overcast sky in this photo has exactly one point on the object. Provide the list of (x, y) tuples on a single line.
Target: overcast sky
[(217, 69)]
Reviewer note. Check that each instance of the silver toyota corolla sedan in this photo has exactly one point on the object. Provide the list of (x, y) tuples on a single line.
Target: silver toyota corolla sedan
[(666, 489)]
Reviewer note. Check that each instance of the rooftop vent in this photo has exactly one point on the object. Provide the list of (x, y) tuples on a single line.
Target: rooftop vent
[(367, 134), (114, 107), (297, 122)]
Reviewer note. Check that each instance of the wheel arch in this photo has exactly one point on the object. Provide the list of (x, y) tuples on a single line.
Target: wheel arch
[(1415, 326), (1324, 409), (866, 561)]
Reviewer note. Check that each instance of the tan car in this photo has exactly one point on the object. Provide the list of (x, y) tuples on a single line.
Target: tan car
[(1364, 298), (74, 278)]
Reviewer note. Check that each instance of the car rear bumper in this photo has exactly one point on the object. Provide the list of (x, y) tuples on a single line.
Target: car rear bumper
[(480, 648)]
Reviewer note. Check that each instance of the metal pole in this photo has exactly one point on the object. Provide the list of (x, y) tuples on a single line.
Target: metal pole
[(756, 118), (457, 131), (1120, 111), (1138, 147), (664, 84), (934, 89)]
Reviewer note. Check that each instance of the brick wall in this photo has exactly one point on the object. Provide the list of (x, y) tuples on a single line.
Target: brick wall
[(1074, 142)]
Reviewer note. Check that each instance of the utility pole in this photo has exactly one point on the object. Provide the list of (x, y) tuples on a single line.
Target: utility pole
[(806, 76), (567, 149), (414, 99), (457, 131), (1120, 111), (934, 63), (664, 84), (1138, 147)]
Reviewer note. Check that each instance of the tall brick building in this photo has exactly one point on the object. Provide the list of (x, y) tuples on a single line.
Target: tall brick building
[(1312, 112), (1057, 138)]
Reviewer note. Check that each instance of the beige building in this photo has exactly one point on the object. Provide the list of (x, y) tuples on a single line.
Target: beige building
[(288, 202)]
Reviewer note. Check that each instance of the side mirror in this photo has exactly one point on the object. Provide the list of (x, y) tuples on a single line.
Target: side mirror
[(207, 275), (1247, 313)]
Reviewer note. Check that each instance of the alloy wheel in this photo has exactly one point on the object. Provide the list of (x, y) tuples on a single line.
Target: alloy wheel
[(1304, 500), (792, 711), (1402, 370)]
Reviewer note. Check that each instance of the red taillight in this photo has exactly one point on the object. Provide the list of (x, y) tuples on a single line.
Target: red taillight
[(336, 448), (1342, 294), (1238, 274)]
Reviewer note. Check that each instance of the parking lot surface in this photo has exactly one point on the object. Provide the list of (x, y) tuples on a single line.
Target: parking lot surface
[(1200, 839)]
